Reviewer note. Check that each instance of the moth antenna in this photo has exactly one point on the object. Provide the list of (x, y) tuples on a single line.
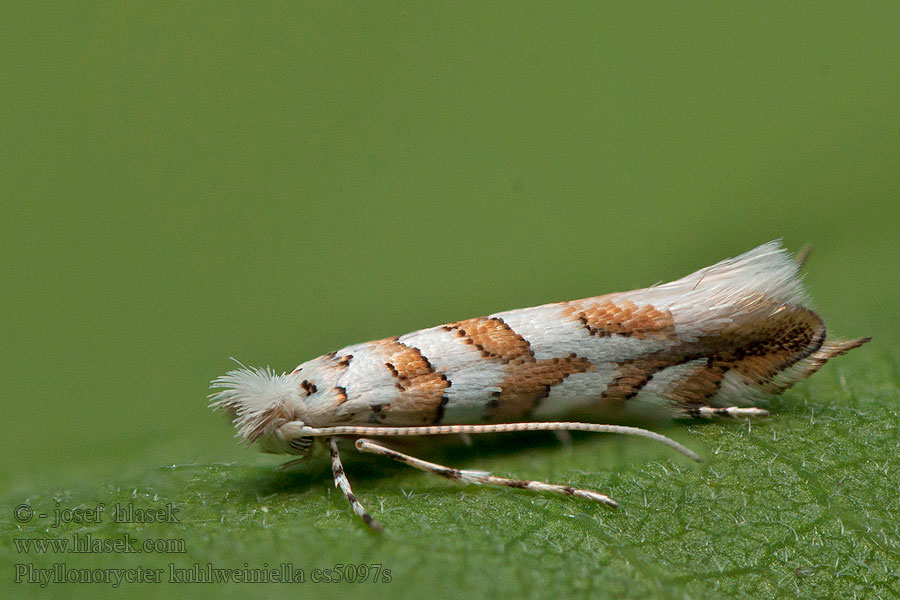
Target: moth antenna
[(294, 428)]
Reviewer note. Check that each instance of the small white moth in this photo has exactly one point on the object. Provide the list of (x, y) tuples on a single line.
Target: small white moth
[(714, 343)]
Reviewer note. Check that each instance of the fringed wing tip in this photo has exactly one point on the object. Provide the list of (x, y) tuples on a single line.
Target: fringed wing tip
[(833, 348), (768, 270)]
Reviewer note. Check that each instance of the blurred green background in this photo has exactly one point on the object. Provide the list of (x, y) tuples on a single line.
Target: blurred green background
[(187, 182)]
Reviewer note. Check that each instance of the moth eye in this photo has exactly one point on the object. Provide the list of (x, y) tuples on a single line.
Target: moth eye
[(309, 388)]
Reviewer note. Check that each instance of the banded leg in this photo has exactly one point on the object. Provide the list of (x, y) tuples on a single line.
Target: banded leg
[(481, 477), (340, 481), (728, 412)]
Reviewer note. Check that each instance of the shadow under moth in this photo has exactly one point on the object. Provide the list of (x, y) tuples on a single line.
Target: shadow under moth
[(715, 343)]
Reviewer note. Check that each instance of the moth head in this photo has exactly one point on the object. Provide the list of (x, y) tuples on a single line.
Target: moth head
[(259, 402)]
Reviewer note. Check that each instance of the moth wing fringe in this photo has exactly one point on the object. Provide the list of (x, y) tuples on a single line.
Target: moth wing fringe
[(744, 329)]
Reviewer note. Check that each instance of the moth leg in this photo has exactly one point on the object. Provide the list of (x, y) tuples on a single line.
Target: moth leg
[(728, 412), (340, 481), (301, 446), (481, 477), (287, 465)]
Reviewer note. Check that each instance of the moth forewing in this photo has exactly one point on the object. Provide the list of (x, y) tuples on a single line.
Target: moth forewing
[(715, 343)]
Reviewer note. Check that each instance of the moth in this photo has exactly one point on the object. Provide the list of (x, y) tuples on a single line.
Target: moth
[(715, 343)]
